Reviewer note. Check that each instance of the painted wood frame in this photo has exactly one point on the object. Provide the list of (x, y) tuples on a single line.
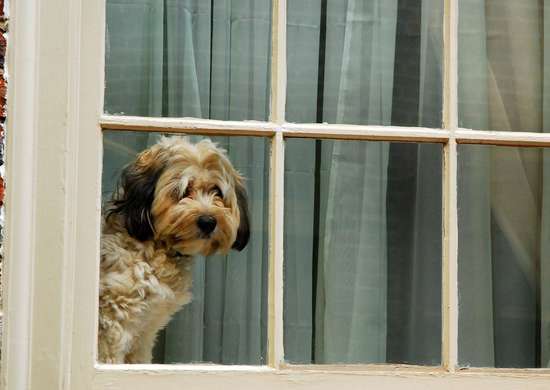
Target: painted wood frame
[(55, 119)]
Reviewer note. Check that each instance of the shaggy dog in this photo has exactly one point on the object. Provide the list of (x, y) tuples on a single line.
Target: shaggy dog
[(174, 201)]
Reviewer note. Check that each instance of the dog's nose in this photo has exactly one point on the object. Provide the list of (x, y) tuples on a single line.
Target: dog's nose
[(206, 223)]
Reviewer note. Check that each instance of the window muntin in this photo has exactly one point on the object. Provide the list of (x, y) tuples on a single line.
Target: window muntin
[(363, 247)]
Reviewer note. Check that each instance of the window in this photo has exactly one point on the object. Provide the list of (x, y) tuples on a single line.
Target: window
[(409, 135), (225, 322)]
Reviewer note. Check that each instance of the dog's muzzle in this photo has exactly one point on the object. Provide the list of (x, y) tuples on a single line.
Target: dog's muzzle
[(206, 224)]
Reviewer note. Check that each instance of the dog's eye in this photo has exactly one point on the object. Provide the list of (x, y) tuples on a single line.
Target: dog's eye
[(217, 191), (187, 192)]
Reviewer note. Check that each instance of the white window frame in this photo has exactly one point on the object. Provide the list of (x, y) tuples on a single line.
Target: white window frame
[(55, 117)]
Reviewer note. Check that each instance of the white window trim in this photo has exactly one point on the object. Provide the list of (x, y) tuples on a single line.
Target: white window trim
[(55, 100)]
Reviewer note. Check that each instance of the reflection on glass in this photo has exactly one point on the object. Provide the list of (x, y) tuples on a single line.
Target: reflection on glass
[(504, 256), (365, 62), (195, 58), (503, 65), (226, 319), (362, 266)]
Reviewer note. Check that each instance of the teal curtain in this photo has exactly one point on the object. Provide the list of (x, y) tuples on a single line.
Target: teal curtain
[(345, 298), (188, 58), (352, 246), (545, 218), (503, 259), (184, 58)]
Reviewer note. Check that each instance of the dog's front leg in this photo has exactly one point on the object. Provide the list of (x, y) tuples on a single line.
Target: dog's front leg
[(113, 344), (142, 351), (142, 348)]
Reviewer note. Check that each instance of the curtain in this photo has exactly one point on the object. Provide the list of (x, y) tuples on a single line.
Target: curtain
[(375, 62), (206, 59), (187, 58), (345, 299), (352, 246), (503, 318), (545, 217)]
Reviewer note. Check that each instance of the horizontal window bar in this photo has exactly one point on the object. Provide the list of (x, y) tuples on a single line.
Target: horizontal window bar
[(360, 132), (208, 126), (366, 369), (144, 368), (511, 138), (327, 131), (434, 380), (187, 125)]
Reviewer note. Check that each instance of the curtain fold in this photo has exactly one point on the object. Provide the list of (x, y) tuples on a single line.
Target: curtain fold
[(476, 336), (353, 256), (502, 190), (545, 215), (342, 310), (351, 319)]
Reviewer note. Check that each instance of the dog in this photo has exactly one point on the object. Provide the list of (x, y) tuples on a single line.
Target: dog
[(176, 200)]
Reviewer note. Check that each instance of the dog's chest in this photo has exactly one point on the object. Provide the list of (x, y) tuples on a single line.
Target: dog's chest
[(169, 279), (141, 278)]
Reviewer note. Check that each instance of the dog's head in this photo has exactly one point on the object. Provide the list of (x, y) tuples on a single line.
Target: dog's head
[(187, 195)]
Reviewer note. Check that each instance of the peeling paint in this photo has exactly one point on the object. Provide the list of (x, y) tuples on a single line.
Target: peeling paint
[(3, 94)]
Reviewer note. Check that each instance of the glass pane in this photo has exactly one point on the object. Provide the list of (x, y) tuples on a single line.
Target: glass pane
[(225, 322), (362, 267), (194, 58), (504, 65), (365, 62), (504, 256)]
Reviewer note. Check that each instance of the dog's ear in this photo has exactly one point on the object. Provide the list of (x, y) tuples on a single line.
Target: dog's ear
[(136, 192), (243, 232)]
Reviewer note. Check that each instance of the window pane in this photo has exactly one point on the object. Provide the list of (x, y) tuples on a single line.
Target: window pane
[(504, 65), (225, 322), (362, 267), (195, 58), (365, 62), (504, 268)]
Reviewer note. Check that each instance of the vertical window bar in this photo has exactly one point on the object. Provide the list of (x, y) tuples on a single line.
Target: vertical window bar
[(450, 258), (277, 115), (278, 62), (275, 296), (450, 56), (450, 232)]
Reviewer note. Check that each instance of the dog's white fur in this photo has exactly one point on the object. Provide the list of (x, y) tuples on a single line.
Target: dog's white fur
[(150, 233)]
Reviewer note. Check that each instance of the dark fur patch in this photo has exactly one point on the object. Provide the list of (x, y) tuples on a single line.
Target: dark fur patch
[(134, 198), (243, 232)]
